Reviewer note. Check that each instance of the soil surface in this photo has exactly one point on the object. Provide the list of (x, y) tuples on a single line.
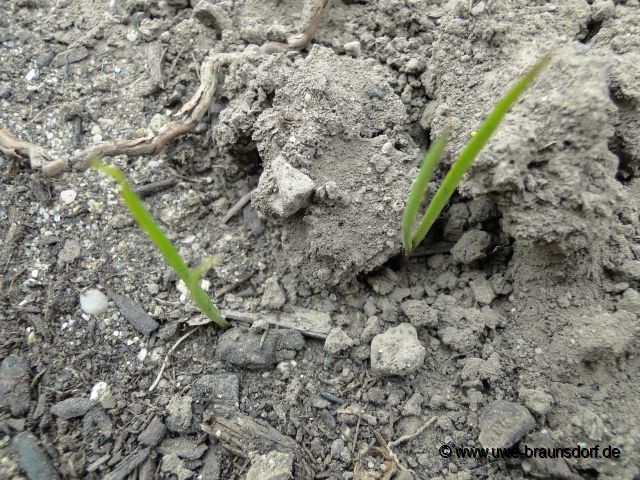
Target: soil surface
[(515, 324)]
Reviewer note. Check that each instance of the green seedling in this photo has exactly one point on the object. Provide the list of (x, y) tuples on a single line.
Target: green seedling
[(190, 277), (451, 181)]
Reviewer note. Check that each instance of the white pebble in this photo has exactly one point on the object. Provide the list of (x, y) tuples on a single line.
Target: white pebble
[(68, 196), (101, 392), (142, 354), (93, 302)]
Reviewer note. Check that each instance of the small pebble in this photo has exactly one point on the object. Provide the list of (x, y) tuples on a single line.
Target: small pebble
[(68, 196), (93, 302)]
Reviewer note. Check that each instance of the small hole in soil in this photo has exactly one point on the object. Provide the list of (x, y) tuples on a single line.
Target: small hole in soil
[(626, 171), (592, 30)]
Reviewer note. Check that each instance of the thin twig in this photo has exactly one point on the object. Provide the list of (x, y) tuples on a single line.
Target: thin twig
[(166, 358), (406, 438), (239, 205)]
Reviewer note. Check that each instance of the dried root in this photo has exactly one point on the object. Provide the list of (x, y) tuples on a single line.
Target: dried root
[(185, 120), (13, 147)]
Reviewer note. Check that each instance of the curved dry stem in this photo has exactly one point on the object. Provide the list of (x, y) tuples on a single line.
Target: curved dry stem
[(12, 147), (185, 120)]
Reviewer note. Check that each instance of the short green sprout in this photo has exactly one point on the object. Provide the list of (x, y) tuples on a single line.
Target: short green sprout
[(479, 139), (191, 278)]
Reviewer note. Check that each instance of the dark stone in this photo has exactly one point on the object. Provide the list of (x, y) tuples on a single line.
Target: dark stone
[(33, 460), (72, 407), (14, 385), (153, 434), (134, 314), (503, 423)]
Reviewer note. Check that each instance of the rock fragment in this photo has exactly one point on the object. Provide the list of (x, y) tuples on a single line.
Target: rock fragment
[(14, 385), (482, 291), (504, 423), (273, 296), (72, 407), (134, 314), (183, 447), (101, 393), (472, 246), (218, 388), (272, 466), (337, 341), (180, 414), (257, 350), (282, 190), (172, 464), (420, 313), (154, 432), (397, 351)]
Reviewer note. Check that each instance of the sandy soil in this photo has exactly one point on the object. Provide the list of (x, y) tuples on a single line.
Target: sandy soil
[(515, 324)]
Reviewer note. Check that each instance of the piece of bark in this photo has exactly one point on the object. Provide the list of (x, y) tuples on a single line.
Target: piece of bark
[(244, 436), (128, 464), (309, 323), (134, 314)]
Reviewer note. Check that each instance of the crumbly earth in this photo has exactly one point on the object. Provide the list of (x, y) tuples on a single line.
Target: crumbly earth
[(524, 297)]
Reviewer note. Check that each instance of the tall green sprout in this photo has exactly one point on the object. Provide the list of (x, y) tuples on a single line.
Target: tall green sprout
[(142, 216), (411, 240)]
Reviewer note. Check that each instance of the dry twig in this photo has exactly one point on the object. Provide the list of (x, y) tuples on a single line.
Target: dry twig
[(185, 120), (13, 147), (166, 358)]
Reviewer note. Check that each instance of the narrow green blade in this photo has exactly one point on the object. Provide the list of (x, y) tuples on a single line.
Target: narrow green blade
[(473, 148), (146, 222), (419, 187)]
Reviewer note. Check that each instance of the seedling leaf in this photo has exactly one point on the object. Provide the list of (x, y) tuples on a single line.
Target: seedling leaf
[(429, 164), (467, 156), (142, 216)]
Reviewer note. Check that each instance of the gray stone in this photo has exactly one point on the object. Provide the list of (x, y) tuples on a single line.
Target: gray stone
[(372, 327), (70, 251), (183, 447), (134, 314), (629, 271), (397, 351), (70, 56), (273, 296), (258, 350), (97, 422), (171, 463), (420, 313), (33, 460), (219, 388), (504, 423), (180, 415), (154, 433), (482, 291), (472, 246), (413, 406), (353, 49), (212, 15), (535, 400), (14, 385), (212, 465), (72, 407), (282, 190), (630, 301), (272, 466), (337, 341), (602, 9)]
